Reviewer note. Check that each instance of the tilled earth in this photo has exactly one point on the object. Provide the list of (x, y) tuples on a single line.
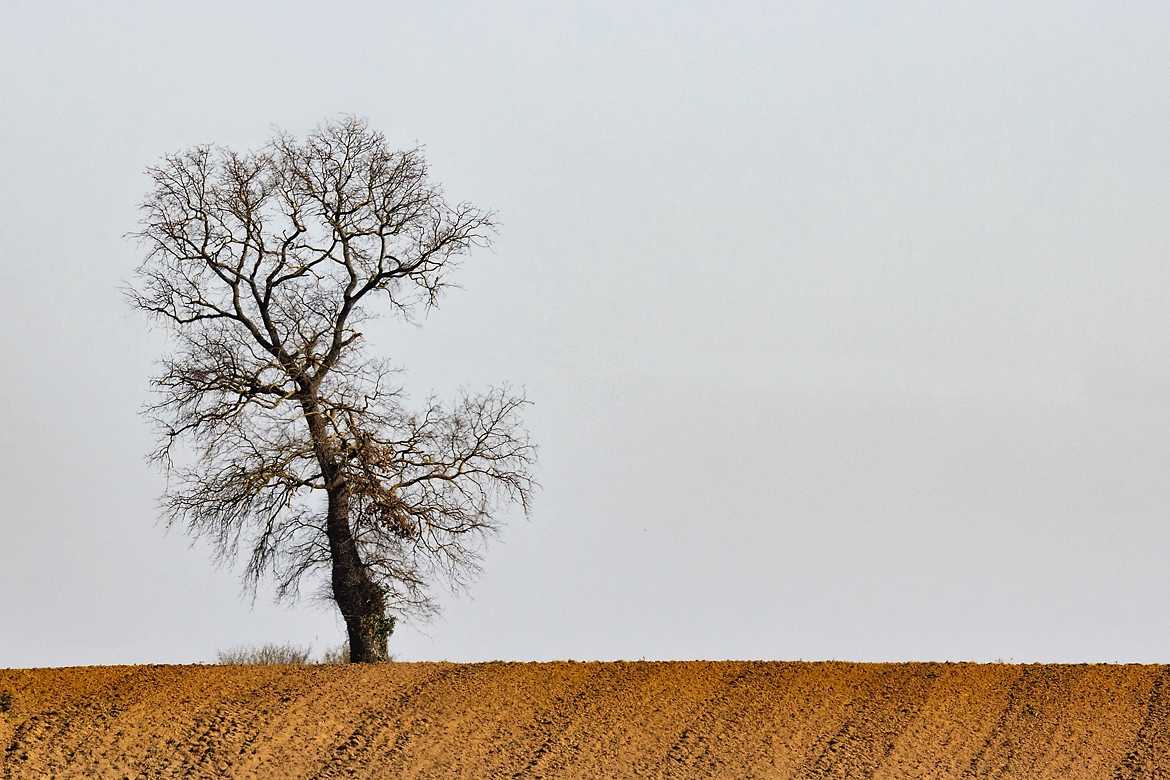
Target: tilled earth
[(591, 720)]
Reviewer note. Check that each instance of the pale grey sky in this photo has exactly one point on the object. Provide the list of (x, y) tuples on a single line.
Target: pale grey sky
[(847, 327)]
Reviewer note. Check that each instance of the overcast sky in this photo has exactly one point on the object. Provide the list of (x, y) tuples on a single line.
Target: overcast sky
[(847, 328)]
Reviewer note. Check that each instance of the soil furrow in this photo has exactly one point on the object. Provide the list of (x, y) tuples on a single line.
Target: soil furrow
[(1025, 729), (882, 711), (1151, 749), (352, 754)]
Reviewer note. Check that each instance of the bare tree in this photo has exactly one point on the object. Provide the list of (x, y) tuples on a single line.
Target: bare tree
[(279, 435)]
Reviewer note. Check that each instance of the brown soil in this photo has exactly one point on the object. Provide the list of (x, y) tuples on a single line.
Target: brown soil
[(692, 719)]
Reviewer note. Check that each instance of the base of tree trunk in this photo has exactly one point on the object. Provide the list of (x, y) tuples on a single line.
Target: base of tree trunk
[(369, 637)]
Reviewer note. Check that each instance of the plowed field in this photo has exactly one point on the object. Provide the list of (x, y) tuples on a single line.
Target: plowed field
[(603, 720)]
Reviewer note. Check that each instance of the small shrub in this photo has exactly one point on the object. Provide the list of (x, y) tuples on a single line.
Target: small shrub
[(5, 701), (265, 655), (336, 655)]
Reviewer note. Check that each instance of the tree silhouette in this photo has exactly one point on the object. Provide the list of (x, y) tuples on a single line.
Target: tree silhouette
[(280, 435)]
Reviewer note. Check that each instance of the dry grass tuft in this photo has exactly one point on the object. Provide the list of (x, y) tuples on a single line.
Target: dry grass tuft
[(265, 655), (273, 654)]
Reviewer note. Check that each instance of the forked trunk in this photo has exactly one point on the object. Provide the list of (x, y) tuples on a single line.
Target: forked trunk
[(360, 599)]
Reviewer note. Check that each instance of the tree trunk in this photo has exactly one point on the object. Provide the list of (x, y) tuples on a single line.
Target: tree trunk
[(360, 599)]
